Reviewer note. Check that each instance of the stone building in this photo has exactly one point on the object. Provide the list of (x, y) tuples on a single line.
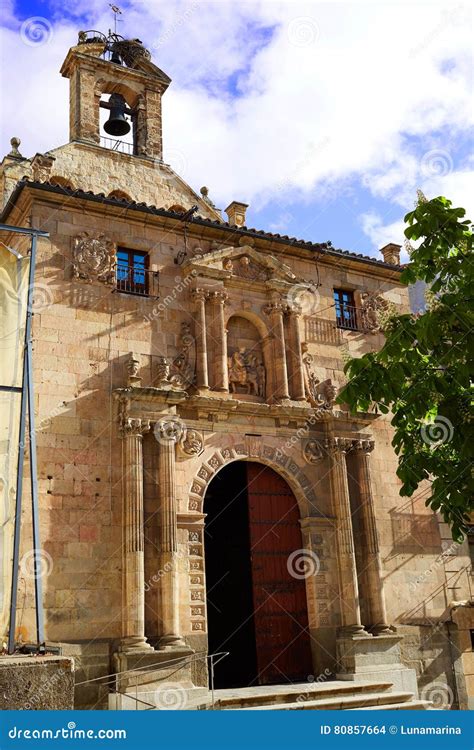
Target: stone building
[(200, 490)]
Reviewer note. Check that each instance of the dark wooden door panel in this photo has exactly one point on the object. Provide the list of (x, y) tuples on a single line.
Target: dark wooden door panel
[(280, 609)]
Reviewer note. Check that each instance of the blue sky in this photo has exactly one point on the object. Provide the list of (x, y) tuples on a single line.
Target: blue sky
[(324, 117)]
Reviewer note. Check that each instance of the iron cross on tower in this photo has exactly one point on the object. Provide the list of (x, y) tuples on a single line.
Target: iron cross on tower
[(117, 12)]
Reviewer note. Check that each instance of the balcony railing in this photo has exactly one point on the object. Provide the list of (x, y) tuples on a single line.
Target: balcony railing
[(323, 331), (136, 280), (114, 145), (346, 317)]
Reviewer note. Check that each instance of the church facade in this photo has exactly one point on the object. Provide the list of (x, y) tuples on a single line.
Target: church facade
[(201, 491)]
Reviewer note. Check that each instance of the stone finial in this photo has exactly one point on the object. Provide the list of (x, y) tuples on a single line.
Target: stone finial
[(391, 254), (205, 196), (236, 213), (15, 142)]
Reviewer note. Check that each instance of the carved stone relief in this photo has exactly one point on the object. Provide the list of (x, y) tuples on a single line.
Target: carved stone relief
[(246, 268), (191, 443), (246, 373), (313, 451), (373, 307), (321, 395), (94, 258), (184, 364)]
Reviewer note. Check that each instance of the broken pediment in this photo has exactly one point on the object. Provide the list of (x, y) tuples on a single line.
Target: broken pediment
[(243, 262)]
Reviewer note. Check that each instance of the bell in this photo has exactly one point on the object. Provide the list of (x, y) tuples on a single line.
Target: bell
[(117, 124)]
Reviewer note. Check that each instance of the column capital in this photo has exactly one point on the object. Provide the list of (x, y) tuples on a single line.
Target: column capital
[(274, 307), (338, 445), (219, 297), (293, 309), (199, 294), (168, 430), (364, 446), (133, 427)]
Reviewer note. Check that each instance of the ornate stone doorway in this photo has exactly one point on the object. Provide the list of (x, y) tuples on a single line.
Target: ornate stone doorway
[(256, 605)]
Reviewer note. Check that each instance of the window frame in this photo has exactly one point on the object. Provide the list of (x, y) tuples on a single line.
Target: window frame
[(343, 306), (131, 286)]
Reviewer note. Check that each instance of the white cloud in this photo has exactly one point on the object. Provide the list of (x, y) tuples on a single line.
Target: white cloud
[(381, 234), (458, 186), (335, 93)]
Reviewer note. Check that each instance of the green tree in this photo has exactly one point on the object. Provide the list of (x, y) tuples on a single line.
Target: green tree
[(422, 374)]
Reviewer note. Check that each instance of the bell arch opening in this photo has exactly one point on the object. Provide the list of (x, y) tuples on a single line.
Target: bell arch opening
[(256, 602)]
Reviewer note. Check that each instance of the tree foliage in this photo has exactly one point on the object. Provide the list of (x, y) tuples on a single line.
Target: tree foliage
[(422, 374)]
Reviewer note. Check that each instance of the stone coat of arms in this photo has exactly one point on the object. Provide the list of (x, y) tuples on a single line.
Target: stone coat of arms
[(94, 258)]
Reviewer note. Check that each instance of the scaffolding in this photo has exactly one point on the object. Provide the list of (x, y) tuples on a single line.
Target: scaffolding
[(26, 392)]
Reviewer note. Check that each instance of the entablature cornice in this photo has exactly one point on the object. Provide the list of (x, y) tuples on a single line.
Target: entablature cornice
[(153, 403)]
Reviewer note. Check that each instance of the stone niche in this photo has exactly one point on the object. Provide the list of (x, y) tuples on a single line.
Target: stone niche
[(247, 373)]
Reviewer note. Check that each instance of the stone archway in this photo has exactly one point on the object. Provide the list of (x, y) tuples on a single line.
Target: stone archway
[(278, 456), (255, 595), (252, 449)]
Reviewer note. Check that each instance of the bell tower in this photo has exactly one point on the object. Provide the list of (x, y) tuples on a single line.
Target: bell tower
[(100, 65)]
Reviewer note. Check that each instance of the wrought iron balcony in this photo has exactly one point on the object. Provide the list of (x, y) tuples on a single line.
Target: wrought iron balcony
[(137, 280), (346, 317)]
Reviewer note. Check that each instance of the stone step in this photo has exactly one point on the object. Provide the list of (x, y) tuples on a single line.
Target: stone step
[(170, 696), (146, 678), (262, 696), (414, 705), (341, 703)]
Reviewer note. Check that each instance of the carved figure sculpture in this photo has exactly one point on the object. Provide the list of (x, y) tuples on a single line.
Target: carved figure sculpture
[(246, 372)]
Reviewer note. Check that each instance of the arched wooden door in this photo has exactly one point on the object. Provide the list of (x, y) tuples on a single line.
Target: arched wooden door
[(256, 610), (279, 599)]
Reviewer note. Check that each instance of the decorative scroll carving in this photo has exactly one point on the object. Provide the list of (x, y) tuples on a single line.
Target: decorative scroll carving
[(373, 308), (184, 364), (321, 395), (94, 258), (246, 372), (168, 430)]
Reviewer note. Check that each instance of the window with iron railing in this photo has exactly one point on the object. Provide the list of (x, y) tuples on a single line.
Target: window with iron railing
[(346, 314), (132, 274)]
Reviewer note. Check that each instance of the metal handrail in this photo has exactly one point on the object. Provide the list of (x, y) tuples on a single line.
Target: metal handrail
[(111, 679), (142, 282), (123, 147), (346, 317)]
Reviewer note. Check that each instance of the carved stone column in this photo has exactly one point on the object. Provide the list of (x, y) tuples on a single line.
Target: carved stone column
[(168, 433), (297, 374), (219, 333), (349, 589), (202, 379), (275, 312), (132, 431), (373, 562)]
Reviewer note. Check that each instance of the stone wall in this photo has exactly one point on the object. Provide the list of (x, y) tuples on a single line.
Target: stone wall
[(36, 683), (84, 332)]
